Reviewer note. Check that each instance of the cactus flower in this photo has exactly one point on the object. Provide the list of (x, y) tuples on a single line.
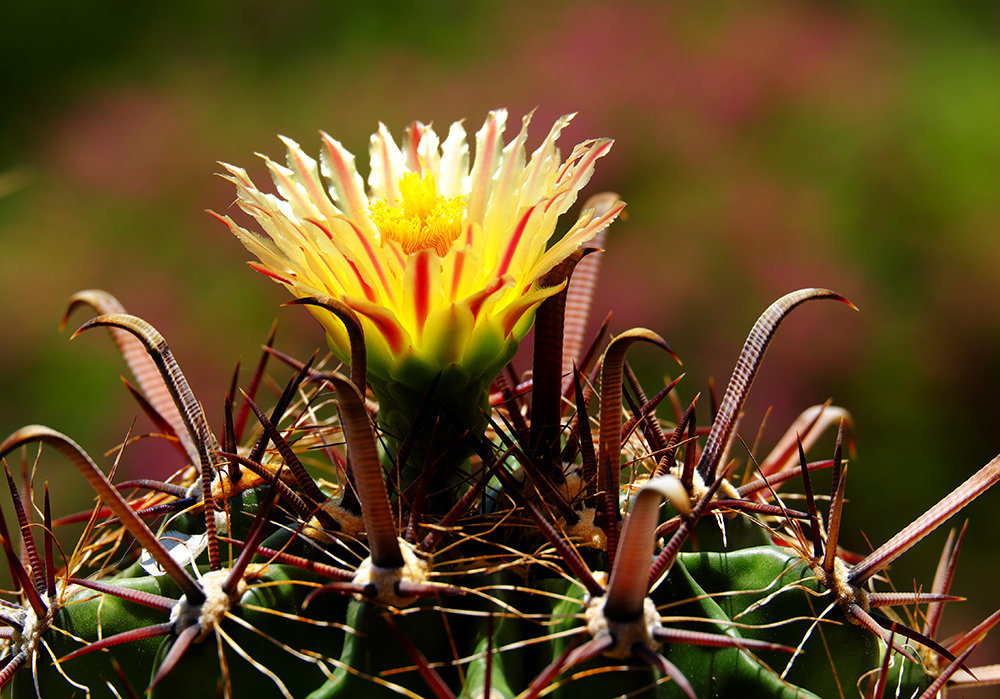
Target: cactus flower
[(441, 260)]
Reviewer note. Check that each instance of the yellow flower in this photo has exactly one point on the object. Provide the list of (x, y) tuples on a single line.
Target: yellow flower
[(441, 261)]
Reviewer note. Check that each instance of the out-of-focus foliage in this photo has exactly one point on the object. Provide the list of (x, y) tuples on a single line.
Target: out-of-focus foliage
[(762, 147)]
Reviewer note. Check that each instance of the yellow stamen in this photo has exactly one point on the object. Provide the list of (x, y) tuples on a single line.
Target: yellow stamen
[(423, 219)]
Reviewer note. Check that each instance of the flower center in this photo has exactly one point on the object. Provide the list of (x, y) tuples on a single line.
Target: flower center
[(422, 219)]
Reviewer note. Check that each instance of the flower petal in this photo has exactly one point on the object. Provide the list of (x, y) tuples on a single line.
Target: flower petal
[(489, 141), (423, 289), (346, 186), (387, 167), (453, 178), (586, 227), (515, 313), (422, 149)]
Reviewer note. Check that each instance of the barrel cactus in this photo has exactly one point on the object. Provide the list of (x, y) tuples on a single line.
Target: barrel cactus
[(409, 516)]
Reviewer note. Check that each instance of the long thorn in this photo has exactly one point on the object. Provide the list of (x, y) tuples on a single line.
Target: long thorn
[(954, 666), (24, 524), (838, 488), (612, 370), (629, 582), (583, 287), (897, 599), (190, 409), (669, 458), (547, 368), (588, 457), (942, 579), (912, 634), (817, 539), (50, 566), (355, 334), (746, 369), (154, 385), (883, 674), (146, 599), (119, 638), (280, 407), (380, 524), (254, 537), (863, 618), (178, 491), (229, 439), (20, 576), (644, 652), (955, 501), (771, 483), (976, 634), (12, 666), (717, 640), (430, 675), (183, 641), (192, 415)]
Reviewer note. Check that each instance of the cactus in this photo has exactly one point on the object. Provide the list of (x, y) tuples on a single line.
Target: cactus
[(413, 521)]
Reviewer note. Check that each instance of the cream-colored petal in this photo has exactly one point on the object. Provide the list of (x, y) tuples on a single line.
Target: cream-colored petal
[(302, 205), (306, 173), (346, 186), (387, 166), (544, 161), (505, 200), (489, 145), (454, 169), (421, 149), (586, 227)]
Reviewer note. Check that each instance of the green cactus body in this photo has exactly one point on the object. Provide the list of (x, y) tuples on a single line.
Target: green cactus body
[(90, 615)]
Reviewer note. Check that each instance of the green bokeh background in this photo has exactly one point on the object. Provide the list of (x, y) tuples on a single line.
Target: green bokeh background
[(761, 146)]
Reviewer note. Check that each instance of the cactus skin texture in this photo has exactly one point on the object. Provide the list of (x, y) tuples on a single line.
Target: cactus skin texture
[(562, 558)]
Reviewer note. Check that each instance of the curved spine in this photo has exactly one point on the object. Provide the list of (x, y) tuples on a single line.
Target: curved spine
[(380, 525), (143, 367), (612, 371), (629, 583), (189, 407), (746, 369)]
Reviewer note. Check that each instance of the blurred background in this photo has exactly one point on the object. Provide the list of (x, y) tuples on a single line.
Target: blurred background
[(762, 147)]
